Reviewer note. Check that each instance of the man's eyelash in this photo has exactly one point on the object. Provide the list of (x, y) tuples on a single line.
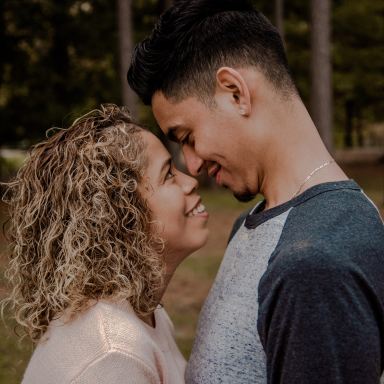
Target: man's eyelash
[(185, 140)]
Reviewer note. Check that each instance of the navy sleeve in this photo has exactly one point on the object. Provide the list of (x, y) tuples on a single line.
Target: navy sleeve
[(322, 325), (321, 312)]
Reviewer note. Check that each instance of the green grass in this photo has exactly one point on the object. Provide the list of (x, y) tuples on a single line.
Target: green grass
[(9, 166), (203, 267), (14, 354)]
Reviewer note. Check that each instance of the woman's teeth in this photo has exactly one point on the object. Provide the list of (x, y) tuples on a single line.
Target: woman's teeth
[(199, 209)]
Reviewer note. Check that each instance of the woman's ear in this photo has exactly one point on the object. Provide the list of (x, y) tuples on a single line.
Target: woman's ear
[(230, 81)]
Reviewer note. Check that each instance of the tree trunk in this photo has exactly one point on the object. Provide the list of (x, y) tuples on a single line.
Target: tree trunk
[(59, 57), (359, 127), (349, 110), (124, 13), (279, 17), (321, 70)]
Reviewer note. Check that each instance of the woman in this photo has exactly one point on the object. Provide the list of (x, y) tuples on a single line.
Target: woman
[(100, 220)]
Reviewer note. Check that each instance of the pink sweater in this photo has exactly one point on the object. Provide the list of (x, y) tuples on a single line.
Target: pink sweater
[(107, 344)]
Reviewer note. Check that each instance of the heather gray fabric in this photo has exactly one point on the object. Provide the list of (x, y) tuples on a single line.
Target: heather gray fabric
[(299, 296), (230, 346)]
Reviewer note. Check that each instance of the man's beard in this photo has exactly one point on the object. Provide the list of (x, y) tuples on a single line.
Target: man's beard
[(244, 197)]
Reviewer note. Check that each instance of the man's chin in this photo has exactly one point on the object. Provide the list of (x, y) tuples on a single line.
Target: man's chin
[(244, 197)]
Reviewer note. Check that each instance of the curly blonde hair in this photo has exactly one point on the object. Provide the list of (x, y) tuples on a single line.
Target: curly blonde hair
[(79, 229)]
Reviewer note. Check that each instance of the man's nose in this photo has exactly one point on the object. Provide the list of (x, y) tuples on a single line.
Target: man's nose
[(193, 162)]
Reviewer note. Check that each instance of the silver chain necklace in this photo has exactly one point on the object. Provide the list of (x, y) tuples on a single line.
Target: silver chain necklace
[(311, 174)]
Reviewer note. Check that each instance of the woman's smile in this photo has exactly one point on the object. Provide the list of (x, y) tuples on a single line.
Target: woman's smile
[(178, 213)]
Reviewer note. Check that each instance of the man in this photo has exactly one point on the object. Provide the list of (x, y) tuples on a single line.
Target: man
[(299, 297)]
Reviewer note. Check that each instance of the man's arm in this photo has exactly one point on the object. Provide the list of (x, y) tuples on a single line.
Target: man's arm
[(320, 322)]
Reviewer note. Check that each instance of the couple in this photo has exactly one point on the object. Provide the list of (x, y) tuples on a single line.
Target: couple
[(101, 219)]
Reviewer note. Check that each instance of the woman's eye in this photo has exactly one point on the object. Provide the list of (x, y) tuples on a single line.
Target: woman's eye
[(169, 174)]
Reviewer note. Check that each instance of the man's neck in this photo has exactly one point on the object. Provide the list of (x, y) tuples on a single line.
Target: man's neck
[(292, 166)]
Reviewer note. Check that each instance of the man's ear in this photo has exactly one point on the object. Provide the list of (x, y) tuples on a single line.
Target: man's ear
[(231, 81)]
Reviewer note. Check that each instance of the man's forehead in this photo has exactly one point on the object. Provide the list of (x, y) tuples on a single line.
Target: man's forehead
[(159, 98), (171, 116), (169, 106), (162, 109)]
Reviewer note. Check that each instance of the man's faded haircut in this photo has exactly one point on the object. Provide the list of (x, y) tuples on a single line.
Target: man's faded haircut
[(194, 38)]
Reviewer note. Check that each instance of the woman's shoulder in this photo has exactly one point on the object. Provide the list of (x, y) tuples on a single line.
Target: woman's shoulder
[(105, 328), (117, 327)]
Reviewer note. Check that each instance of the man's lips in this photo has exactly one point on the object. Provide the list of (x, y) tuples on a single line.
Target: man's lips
[(213, 170), (218, 179)]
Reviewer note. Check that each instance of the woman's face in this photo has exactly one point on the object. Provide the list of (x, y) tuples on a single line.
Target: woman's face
[(180, 218)]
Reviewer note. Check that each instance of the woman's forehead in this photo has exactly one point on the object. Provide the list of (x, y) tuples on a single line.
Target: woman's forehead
[(156, 152)]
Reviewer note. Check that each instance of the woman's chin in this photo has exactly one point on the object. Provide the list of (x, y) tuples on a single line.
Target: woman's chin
[(182, 253), (203, 239)]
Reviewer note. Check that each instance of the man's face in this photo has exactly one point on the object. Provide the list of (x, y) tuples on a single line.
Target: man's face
[(212, 139)]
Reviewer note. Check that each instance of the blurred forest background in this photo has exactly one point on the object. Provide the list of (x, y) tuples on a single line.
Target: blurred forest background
[(60, 59)]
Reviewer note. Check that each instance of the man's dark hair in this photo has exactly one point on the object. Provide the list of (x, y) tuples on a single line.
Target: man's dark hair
[(194, 38)]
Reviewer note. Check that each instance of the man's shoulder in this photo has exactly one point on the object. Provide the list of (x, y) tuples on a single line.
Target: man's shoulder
[(339, 232), (335, 221), (345, 204)]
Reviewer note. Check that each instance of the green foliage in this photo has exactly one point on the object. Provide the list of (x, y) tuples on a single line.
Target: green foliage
[(9, 167), (60, 58), (358, 54), (14, 353)]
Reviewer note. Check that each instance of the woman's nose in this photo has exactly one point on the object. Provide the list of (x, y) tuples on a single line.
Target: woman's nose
[(189, 183)]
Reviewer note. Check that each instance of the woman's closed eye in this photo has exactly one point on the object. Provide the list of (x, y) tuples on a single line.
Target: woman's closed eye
[(170, 173)]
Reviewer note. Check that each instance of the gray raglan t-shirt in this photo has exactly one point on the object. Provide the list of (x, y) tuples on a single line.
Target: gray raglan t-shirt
[(299, 296)]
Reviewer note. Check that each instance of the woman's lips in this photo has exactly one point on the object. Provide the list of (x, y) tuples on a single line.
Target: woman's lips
[(199, 211)]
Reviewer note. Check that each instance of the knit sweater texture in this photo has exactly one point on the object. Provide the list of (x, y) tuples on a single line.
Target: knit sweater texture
[(107, 344)]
